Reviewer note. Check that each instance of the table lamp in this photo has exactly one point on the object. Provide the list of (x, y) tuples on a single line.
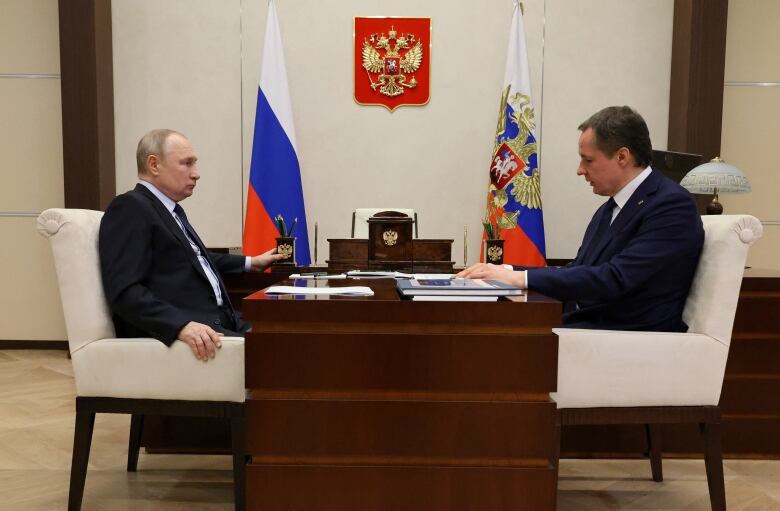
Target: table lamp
[(715, 176)]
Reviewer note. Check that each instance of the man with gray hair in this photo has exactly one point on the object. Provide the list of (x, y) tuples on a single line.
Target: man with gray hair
[(159, 279), (636, 263)]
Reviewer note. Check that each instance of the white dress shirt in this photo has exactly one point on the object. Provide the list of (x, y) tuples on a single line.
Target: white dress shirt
[(621, 197), (207, 269)]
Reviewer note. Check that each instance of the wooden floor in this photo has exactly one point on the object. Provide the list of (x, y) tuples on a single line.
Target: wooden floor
[(36, 428)]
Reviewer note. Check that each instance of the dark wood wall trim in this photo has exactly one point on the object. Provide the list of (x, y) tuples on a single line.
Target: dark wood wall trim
[(6, 344), (696, 88), (86, 62)]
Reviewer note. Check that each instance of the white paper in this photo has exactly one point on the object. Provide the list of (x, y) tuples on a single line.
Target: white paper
[(398, 275), (294, 290), (378, 274), (450, 298)]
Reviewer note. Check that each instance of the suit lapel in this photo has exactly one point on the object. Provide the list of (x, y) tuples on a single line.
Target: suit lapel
[(173, 227), (584, 255), (638, 201)]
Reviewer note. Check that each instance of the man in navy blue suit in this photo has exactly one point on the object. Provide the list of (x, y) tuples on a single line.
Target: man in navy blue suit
[(634, 268)]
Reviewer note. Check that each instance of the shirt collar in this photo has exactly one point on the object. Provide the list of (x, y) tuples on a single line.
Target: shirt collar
[(167, 201), (627, 191)]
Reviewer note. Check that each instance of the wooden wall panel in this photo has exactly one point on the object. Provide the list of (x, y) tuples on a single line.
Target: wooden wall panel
[(696, 92), (86, 61)]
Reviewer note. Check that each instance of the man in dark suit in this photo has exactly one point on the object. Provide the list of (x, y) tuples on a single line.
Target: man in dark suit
[(159, 279), (636, 263)]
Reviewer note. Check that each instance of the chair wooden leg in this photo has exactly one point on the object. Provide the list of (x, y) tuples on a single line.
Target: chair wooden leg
[(82, 440), (713, 461), (654, 451), (134, 443), (239, 461)]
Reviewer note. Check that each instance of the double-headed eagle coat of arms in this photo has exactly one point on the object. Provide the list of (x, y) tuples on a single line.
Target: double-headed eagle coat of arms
[(392, 67)]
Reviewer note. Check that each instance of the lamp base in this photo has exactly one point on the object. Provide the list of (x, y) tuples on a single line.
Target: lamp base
[(714, 207)]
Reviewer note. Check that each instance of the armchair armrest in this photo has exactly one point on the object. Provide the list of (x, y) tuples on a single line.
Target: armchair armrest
[(605, 368)]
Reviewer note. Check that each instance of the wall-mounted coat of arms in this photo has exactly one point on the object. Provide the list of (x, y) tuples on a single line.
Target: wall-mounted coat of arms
[(392, 61)]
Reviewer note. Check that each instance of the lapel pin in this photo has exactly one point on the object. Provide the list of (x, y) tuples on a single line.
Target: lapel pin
[(640, 202)]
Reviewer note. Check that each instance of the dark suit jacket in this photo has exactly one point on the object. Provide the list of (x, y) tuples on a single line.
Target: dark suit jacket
[(153, 281), (639, 275)]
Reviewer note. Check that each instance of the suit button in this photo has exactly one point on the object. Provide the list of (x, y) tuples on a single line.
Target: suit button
[(217, 322)]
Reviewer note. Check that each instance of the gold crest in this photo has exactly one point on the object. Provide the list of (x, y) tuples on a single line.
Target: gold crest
[(527, 189), (494, 253), (402, 54), (286, 250), (390, 237)]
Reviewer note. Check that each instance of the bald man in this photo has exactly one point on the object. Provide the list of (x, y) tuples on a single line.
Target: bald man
[(159, 279)]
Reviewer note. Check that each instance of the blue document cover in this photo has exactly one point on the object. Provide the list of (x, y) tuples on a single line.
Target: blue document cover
[(455, 287)]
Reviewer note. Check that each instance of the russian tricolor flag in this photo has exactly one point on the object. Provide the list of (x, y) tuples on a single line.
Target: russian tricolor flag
[(274, 174), (515, 189)]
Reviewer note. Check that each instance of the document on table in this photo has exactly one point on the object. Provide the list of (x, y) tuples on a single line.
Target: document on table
[(317, 276), (397, 275), (450, 298), (344, 291)]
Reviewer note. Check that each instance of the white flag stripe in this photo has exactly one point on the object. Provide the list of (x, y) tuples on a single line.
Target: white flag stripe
[(516, 72), (273, 75)]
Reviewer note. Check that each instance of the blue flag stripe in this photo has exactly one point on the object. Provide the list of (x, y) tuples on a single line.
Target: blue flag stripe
[(275, 174)]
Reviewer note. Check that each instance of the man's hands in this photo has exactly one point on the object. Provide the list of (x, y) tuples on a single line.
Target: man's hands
[(262, 261), (202, 339), (489, 271)]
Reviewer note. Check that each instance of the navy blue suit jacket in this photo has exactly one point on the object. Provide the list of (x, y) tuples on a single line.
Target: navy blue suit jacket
[(639, 275), (152, 278)]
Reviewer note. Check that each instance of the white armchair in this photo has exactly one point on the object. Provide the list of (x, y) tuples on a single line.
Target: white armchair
[(133, 376), (361, 215), (652, 378)]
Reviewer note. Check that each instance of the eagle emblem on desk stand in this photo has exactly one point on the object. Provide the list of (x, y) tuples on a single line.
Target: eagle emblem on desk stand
[(390, 237), (392, 61)]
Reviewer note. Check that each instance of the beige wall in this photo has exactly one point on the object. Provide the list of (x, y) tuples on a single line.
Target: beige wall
[(188, 65), (31, 167), (182, 67), (177, 64), (751, 105)]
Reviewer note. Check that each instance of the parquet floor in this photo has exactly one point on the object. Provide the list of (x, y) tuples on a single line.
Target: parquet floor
[(36, 428)]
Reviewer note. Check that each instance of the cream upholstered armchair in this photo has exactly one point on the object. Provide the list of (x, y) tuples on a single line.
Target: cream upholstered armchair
[(361, 215), (652, 378), (133, 376)]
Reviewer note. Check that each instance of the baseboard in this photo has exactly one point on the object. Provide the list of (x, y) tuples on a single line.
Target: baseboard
[(6, 344)]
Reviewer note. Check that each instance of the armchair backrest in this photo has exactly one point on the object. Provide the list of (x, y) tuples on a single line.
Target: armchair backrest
[(712, 300), (73, 234), (361, 215)]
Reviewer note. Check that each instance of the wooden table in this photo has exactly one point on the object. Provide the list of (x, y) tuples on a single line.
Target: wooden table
[(383, 403)]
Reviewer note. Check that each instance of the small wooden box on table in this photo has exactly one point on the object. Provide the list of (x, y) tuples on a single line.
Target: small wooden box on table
[(390, 247), (383, 403)]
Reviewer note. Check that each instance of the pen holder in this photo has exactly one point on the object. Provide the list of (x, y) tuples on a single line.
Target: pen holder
[(286, 246), (494, 251)]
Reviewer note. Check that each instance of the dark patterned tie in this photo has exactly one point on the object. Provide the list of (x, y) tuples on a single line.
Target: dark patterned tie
[(601, 230), (194, 237)]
